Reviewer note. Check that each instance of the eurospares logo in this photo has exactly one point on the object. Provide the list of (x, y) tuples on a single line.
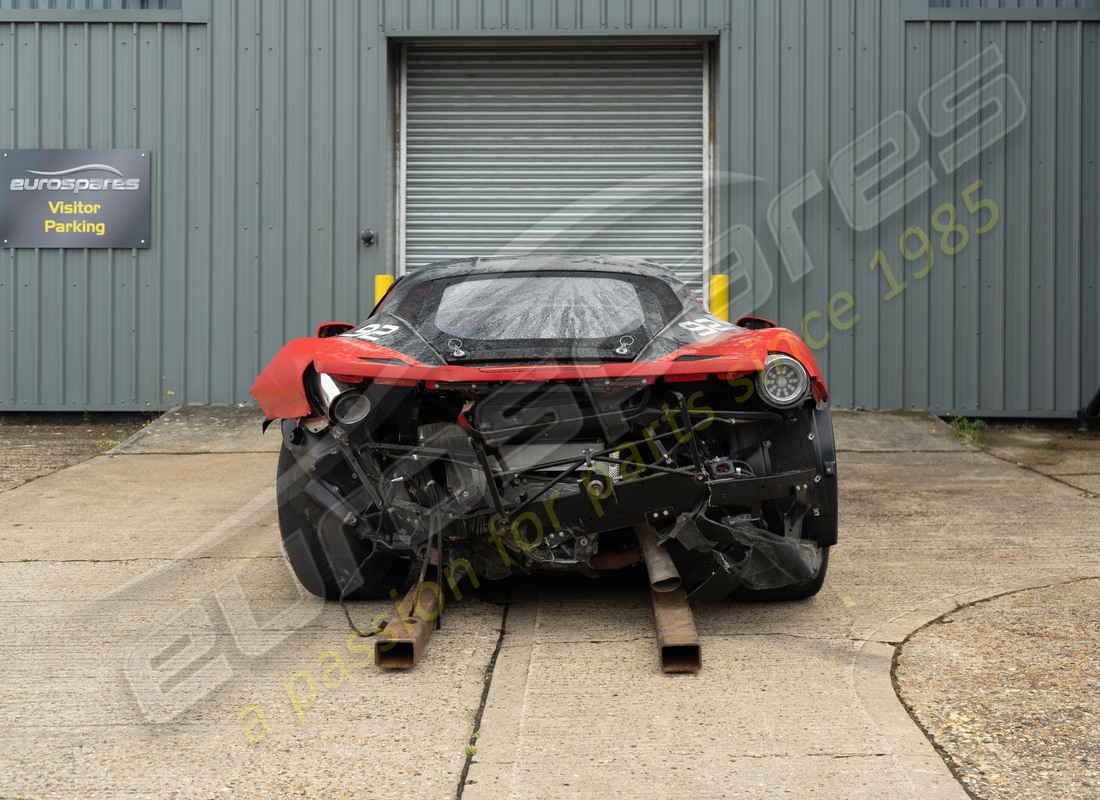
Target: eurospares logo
[(75, 198), (61, 182)]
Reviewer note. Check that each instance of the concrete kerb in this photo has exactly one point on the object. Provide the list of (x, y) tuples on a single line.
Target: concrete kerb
[(897, 630), (874, 664), (872, 676)]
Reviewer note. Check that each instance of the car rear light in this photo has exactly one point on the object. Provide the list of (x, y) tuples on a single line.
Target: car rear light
[(783, 381)]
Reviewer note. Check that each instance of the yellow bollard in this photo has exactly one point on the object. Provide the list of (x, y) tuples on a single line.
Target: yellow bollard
[(382, 284), (720, 296)]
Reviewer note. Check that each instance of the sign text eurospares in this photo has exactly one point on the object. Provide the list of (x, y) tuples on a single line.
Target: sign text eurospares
[(75, 198)]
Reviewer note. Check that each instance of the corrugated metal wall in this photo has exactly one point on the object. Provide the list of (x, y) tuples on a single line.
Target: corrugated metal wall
[(269, 128), (100, 5), (1013, 3), (273, 138)]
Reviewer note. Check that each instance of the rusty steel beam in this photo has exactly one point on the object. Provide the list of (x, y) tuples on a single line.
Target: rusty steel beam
[(663, 575), (403, 639), (677, 641)]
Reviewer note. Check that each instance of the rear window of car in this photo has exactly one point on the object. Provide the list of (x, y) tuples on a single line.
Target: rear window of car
[(540, 307)]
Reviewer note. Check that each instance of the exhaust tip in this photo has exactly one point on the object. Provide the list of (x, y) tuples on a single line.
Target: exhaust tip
[(663, 575), (669, 584), (681, 658)]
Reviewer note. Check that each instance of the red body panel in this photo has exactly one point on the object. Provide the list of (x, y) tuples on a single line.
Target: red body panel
[(280, 389), (281, 393)]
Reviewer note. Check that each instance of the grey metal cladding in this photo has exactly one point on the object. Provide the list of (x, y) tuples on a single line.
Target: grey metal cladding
[(1023, 4), (90, 5), (274, 143)]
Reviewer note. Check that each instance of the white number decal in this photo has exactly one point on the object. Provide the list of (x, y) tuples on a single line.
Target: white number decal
[(704, 326), (372, 332)]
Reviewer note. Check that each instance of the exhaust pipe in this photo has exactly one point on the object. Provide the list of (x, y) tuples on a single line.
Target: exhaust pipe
[(677, 641), (403, 639), (678, 645), (663, 575)]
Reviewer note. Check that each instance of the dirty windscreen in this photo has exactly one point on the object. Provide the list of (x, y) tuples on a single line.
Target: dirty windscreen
[(497, 315), (540, 307)]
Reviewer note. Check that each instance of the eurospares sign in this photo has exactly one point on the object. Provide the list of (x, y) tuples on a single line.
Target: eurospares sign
[(75, 198)]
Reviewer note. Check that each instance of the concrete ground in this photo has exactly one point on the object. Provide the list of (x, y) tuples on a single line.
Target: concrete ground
[(30, 448), (1007, 687), (155, 643)]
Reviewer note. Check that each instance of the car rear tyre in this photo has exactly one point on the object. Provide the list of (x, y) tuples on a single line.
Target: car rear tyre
[(328, 560)]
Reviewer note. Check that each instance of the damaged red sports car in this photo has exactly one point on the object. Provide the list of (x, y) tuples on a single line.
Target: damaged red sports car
[(503, 415)]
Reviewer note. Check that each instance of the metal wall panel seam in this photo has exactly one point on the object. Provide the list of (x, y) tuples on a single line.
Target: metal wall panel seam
[(916, 302), (765, 146), (959, 338), (322, 143), (402, 161), (1090, 300), (889, 364), (28, 74), (8, 277), (841, 124), (174, 172), (185, 240), (277, 198), (223, 205), (284, 161), (1067, 198), (867, 114), (1025, 230), (1049, 63), (361, 258), (238, 262), (1040, 256), (207, 246), (819, 155), (992, 250), (159, 226), (110, 281), (330, 142), (271, 277), (805, 218), (340, 230), (85, 340), (306, 145), (962, 177), (942, 350), (752, 102), (257, 221), (707, 166)]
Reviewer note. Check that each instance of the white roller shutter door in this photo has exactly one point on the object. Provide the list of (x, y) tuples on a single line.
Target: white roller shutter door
[(584, 147)]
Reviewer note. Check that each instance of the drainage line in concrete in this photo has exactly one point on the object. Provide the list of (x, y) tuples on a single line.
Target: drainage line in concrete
[(470, 752)]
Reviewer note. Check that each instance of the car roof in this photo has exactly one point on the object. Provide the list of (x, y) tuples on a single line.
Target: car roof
[(551, 263)]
